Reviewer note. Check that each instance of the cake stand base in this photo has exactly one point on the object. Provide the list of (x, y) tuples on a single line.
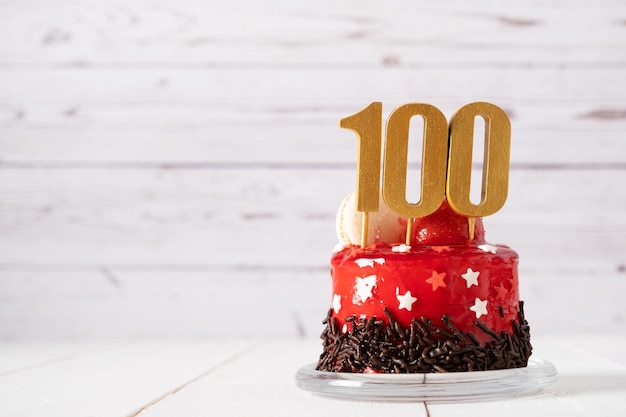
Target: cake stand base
[(431, 388)]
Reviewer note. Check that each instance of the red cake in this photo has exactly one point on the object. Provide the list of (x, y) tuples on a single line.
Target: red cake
[(447, 302)]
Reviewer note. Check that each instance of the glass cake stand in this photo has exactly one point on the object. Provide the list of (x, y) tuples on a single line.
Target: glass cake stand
[(444, 387)]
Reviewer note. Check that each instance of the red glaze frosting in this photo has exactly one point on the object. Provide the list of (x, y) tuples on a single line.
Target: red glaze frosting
[(367, 280), (445, 227)]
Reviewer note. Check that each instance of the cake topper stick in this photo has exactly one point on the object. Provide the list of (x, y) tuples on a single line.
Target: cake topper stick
[(471, 226), (364, 228), (367, 124), (409, 231)]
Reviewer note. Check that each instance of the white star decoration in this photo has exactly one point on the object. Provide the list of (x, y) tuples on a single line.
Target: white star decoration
[(406, 301), (401, 248), (471, 277), (336, 303), (488, 248), (479, 307), (363, 262), (363, 288)]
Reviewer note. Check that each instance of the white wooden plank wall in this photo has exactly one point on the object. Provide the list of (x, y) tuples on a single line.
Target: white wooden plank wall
[(173, 168)]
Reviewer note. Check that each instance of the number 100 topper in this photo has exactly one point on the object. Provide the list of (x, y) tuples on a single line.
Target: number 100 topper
[(446, 161)]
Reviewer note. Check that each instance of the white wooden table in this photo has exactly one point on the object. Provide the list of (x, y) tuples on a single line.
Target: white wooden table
[(256, 378)]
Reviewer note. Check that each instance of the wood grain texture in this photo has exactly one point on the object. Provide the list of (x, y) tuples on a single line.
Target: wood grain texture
[(116, 381), (275, 217), (150, 148), (142, 33), (16, 357), (269, 389), (242, 377), (69, 116), (201, 302)]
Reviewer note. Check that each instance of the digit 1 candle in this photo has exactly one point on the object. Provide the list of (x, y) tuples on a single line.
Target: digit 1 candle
[(367, 124)]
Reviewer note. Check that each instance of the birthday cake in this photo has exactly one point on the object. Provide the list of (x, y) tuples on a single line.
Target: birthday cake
[(420, 296)]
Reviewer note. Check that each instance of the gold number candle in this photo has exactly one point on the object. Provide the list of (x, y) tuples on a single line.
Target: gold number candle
[(434, 161), (446, 161), (367, 124), (495, 178)]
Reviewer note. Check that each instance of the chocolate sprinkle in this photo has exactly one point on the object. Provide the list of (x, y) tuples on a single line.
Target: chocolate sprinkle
[(376, 346)]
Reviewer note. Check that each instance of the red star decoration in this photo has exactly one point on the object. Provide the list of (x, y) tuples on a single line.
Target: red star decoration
[(500, 292), (437, 280), (441, 249)]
